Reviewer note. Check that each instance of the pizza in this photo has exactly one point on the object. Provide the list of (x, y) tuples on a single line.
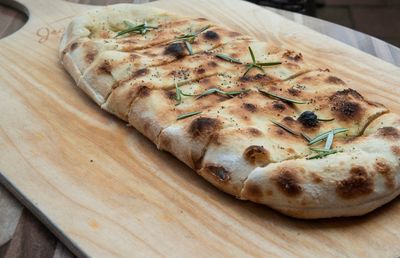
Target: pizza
[(256, 120)]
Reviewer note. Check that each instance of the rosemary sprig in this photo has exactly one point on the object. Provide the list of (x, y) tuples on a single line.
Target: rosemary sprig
[(228, 58), (296, 75), (284, 127), (227, 93), (189, 38), (322, 153), (141, 28), (323, 136), (282, 98), (189, 114), (178, 96), (189, 47), (306, 137), (329, 141), (257, 65), (187, 94), (325, 119)]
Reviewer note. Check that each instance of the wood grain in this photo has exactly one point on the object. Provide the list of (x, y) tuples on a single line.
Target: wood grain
[(106, 191)]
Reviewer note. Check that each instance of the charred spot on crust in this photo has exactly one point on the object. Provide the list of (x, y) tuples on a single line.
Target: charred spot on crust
[(289, 120), (203, 126), (257, 77), (358, 184), (396, 151), (170, 94), (165, 142), (308, 119), (253, 191), (389, 132), (279, 131), (127, 40), (234, 34), (345, 106), (288, 182), (175, 49), (249, 107), (201, 70), (90, 55), (347, 110), (200, 19), (211, 35), (291, 55), (132, 57), (143, 92), (219, 172), (261, 78), (334, 80), (294, 92), (316, 178), (141, 72), (347, 92), (385, 170), (73, 46), (256, 155), (212, 64), (278, 105), (254, 131), (290, 150), (105, 67)]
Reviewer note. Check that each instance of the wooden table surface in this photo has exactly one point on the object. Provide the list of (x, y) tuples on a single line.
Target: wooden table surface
[(22, 235)]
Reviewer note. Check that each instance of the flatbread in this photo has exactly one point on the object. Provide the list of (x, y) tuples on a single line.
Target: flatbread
[(245, 123)]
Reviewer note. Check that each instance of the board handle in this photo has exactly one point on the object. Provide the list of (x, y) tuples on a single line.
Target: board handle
[(48, 19)]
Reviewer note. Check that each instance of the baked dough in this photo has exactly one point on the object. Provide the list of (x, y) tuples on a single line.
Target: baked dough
[(246, 133)]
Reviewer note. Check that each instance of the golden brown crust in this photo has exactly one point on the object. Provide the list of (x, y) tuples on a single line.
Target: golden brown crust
[(248, 134)]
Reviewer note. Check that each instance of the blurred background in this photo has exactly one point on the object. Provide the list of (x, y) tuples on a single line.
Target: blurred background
[(379, 18)]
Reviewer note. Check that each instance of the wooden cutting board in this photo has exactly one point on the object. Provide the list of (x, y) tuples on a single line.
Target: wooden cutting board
[(105, 190)]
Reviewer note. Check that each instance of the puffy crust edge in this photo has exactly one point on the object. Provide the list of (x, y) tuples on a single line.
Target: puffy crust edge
[(362, 178)]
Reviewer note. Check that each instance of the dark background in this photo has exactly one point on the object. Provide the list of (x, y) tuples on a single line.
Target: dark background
[(379, 18)]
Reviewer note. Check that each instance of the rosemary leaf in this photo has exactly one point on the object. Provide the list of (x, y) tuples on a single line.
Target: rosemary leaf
[(187, 94), (228, 58), (189, 114), (234, 93), (318, 149), (216, 90), (323, 136), (203, 29), (141, 28), (193, 35), (178, 96), (259, 66), (325, 119), (252, 55), (189, 47), (285, 127), (269, 63), (247, 70), (282, 98), (189, 38), (323, 153), (296, 75), (207, 92), (306, 137), (329, 141)]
